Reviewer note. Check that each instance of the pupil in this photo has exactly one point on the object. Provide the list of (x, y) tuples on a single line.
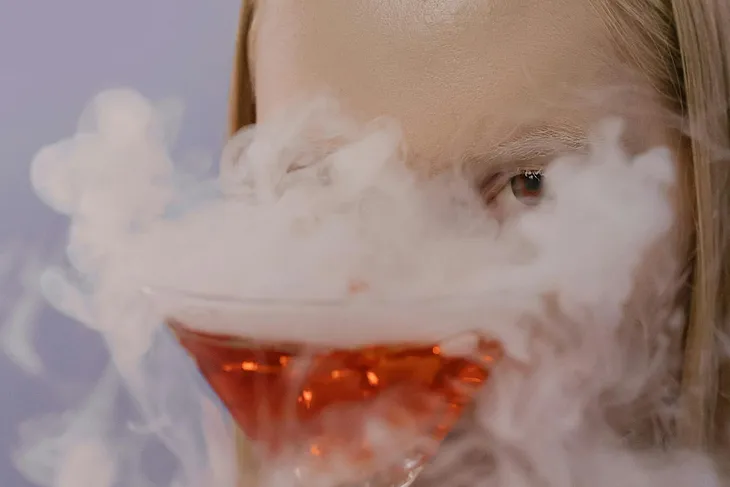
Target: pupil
[(532, 182)]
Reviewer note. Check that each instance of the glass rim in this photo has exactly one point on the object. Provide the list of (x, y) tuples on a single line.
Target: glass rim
[(332, 322), (355, 302)]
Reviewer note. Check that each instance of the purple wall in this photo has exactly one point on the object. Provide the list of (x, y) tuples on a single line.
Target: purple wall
[(53, 57)]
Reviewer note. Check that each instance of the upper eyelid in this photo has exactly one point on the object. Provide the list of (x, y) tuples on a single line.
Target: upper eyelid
[(532, 149), (508, 169), (515, 167)]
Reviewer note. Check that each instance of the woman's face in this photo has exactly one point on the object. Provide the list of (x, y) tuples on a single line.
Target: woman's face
[(483, 82), (488, 84), (476, 80)]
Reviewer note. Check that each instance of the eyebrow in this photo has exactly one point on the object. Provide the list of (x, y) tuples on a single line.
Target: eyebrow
[(527, 146)]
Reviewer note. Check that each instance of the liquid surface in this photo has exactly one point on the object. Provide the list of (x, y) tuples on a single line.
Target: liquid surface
[(361, 402)]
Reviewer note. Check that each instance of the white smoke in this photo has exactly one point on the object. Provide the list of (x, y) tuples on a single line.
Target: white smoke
[(319, 218), (19, 313)]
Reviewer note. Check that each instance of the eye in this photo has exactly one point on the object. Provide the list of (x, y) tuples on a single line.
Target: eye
[(527, 187), (514, 189)]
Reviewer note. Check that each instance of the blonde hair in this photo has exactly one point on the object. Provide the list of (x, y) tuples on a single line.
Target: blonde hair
[(683, 48), (242, 104)]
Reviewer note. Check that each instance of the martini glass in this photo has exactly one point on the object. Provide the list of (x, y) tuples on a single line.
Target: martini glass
[(335, 393)]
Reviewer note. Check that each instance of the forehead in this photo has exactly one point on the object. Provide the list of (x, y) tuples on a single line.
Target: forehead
[(454, 72)]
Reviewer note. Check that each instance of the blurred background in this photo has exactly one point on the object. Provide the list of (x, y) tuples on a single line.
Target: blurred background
[(54, 56)]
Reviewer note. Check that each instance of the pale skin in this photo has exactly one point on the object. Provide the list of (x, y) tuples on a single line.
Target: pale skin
[(492, 84), (465, 78)]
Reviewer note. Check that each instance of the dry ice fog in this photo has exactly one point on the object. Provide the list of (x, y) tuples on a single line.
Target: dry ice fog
[(315, 208)]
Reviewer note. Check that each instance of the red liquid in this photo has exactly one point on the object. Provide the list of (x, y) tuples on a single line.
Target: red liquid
[(286, 394)]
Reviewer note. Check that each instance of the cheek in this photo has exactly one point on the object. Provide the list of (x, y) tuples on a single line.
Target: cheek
[(653, 328), (667, 260), (658, 302), (660, 279), (658, 282)]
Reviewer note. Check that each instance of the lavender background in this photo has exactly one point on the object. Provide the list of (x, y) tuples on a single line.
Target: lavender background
[(54, 56)]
